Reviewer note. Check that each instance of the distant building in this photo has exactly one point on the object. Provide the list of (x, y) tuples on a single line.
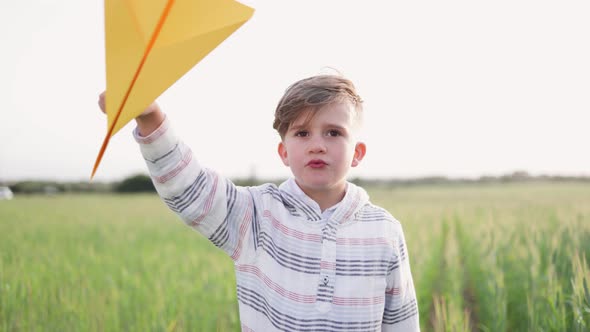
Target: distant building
[(5, 193), (50, 190)]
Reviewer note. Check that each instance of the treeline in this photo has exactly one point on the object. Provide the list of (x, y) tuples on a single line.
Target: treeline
[(133, 184), (515, 177), (142, 183)]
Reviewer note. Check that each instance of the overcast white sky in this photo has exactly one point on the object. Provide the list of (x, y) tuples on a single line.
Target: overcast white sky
[(455, 88)]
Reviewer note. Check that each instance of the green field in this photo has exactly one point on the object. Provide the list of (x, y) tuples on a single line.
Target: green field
[(510, 257)]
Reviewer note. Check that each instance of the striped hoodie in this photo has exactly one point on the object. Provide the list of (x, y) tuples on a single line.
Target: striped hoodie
[(297, 268)]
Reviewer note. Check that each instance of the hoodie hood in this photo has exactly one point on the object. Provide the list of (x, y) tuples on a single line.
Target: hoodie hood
[(299, 204)]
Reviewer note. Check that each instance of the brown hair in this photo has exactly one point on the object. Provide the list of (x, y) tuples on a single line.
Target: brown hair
[(311, 94)]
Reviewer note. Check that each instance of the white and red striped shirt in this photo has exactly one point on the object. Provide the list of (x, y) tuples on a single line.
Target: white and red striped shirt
[(297, 269)]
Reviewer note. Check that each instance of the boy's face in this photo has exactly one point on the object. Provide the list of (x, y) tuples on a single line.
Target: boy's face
[(321, 151)]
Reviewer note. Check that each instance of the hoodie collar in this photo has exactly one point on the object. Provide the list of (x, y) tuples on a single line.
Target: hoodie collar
[(354, 199)]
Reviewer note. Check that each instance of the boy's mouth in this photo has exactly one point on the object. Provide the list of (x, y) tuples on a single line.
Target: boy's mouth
[(316, 163)]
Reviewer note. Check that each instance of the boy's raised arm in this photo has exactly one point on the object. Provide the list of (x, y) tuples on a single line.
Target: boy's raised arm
[(205, 201), (147, 122)]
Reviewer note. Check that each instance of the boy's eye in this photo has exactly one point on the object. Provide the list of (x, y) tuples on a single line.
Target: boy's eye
[(334, 133), (302, 133)]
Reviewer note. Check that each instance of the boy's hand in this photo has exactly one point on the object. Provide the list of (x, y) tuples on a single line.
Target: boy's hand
[(101, 102), (147, 122), (150, 109)]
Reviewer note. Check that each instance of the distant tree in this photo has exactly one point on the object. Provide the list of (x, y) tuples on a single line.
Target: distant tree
[(37, 187), (135, 183), (516, 176)]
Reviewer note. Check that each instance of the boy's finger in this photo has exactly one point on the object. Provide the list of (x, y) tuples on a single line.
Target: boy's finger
[(101, 102)]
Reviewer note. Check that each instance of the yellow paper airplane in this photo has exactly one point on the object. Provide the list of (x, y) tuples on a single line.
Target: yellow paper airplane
[(150, 44)]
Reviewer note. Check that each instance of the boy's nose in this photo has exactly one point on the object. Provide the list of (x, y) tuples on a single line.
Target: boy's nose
[(317, 145)]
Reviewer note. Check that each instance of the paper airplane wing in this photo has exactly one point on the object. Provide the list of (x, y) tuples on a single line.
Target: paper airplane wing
[(151, 44)]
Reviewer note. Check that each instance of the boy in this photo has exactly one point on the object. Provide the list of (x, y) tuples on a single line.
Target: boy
[(312, 254)]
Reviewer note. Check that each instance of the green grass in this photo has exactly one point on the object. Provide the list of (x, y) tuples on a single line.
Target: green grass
[(515, 255), (104, 263), (512, 257)]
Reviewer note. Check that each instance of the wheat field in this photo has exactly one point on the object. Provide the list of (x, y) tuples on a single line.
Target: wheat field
[(485, 257)]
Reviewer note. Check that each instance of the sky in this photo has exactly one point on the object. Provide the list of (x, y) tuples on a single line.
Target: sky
[(450, 88)]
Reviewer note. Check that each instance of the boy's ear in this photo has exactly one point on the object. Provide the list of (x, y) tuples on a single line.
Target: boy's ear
[(359, 153), (282, 150)]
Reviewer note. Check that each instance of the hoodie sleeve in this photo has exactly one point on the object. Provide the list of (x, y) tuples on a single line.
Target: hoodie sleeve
[(205, 201), (401, 308)]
